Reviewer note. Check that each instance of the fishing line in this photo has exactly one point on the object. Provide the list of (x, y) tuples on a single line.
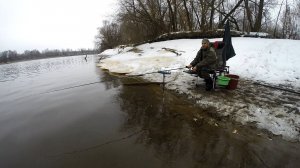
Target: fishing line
[(76, 86), (98, 146), (57, 90)]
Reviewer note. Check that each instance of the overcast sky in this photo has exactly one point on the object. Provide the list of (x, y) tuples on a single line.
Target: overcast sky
[(52, 24)]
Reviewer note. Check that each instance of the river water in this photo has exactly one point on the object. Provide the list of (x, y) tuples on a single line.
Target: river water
[(66, 112)]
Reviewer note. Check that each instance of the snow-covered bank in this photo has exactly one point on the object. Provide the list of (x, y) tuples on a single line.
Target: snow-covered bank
[(272, 61)]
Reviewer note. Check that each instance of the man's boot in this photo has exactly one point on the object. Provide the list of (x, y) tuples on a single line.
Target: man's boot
[(208, 84)]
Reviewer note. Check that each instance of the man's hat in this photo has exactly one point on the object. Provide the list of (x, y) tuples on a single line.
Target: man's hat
[(205, 40)]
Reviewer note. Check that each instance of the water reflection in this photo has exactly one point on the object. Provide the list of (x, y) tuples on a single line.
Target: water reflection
[(109, 81), (178, 139)]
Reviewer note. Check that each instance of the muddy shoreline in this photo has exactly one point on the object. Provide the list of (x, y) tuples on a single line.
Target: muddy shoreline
[(238, 105), (234, 107)]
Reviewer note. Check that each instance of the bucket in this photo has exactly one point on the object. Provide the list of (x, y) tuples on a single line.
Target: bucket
[(223, 81), (234, 80)]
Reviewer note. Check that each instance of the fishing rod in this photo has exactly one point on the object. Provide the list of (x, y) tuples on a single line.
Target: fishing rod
[(278, 88), (164, 72)]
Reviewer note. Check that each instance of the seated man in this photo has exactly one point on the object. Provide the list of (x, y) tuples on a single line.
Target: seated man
[(204, 62)]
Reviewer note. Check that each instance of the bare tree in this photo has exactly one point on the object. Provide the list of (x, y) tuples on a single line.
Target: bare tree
[(290, 20), (172, 6), (256, 13), (212, 13), (286, 19), (145, 16), (229, 14), (275, 29), (254, 18), (257, 24), (108, 36), (188, 16)]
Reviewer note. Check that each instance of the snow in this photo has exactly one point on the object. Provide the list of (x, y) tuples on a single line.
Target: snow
[(257, 34), (272, 61)]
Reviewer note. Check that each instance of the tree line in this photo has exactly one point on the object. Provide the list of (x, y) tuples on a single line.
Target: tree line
[(12, 56), (141, 20)]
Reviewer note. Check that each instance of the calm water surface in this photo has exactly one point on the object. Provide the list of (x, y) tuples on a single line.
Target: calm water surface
[(49, 117)]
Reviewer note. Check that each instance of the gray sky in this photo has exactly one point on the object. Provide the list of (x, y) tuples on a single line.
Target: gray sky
[(52, 24)]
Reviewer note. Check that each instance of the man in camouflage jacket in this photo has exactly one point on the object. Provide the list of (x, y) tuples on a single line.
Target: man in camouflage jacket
[(205, 61)]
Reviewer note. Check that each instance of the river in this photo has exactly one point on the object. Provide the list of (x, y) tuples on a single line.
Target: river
[(66, 112)]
